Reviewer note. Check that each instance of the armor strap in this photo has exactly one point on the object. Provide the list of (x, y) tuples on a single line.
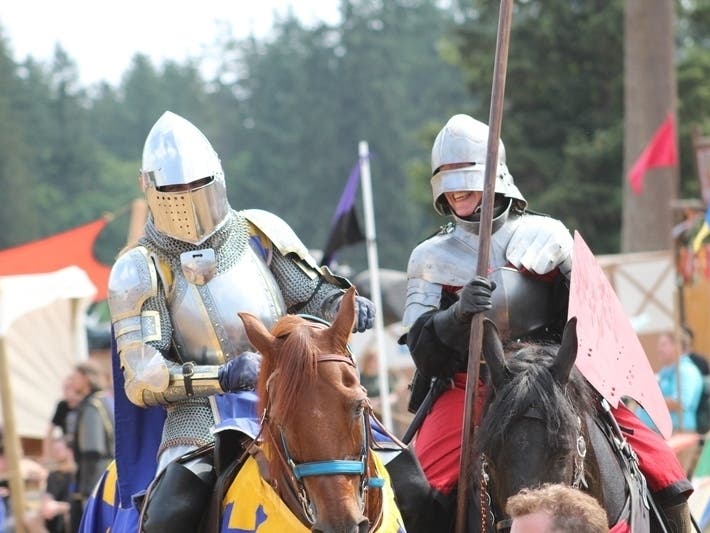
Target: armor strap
[(187, 381), (188, 370)]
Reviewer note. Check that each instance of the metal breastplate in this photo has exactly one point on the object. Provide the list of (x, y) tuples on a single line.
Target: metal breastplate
[(522, 303), (450, 258), (207, 328)]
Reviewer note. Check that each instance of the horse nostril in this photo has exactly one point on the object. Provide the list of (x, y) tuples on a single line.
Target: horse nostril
[(363, 525)]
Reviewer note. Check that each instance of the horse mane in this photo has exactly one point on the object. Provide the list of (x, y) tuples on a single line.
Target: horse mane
[(531, 384), (291, 369)]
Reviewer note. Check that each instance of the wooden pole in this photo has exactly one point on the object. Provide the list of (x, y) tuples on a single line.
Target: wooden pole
[(495, 121), (136, 225), (13, 448)]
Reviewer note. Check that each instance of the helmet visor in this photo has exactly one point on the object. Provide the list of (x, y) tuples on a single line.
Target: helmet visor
[(188, 215)]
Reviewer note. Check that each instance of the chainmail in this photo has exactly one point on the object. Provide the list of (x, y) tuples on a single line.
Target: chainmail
[(188, 423), (301, 293), (228, 243)]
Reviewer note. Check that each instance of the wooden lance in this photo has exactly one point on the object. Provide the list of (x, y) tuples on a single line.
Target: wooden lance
[(466, 465)]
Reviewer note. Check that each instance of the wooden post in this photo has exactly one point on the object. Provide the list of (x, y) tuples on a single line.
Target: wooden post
[(139, 214), (476, 340), (13, 448)]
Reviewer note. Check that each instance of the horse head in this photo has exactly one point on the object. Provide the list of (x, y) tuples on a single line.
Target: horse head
[(316, 426), (534, 430)]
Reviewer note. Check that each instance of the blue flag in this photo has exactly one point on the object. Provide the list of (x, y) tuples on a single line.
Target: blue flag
[(345, 228)]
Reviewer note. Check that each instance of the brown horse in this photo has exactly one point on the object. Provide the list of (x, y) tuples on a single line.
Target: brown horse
[(315, 452)]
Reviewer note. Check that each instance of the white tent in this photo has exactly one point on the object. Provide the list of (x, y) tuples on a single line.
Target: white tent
[(43, 332)]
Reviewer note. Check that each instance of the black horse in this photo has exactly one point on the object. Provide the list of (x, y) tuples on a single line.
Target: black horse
[(545, 423)]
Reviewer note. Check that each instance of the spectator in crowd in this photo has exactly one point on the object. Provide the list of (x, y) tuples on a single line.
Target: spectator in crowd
[(32, 474), (61, 421), (56, 499), (370, 378), (700, 360), (681, 384), (555, 508), (93, 436), (4, 491), (702, 415)]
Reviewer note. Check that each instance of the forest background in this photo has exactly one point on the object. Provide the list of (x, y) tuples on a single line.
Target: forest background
[(285, 114)]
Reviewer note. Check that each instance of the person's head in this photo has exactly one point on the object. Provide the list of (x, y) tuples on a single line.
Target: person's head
[(183, 181), (84, 379), (458, 162), (667, 349), (70, 393), (687, 338), (59, 450), (368, 364), (555, 508)]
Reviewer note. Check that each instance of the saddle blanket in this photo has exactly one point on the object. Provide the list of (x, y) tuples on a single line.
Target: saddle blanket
[(251, 505)]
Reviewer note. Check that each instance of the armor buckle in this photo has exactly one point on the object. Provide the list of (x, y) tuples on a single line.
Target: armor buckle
[(188, 370)]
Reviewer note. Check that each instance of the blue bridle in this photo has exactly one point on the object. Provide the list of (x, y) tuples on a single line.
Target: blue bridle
[(330, 467), (334, 467)]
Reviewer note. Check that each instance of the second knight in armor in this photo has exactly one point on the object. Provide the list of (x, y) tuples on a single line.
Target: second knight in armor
[(530, 262), (174, 299), (530, 265)]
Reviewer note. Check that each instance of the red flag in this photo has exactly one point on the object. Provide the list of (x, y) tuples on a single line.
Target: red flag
[(659, 152), (72, 247)]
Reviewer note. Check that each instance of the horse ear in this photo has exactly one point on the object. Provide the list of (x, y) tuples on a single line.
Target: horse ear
[(344, 321), (257, 333), (567, 354), (493, 354)]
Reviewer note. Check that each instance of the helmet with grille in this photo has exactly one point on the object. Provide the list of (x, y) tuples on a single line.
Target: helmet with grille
[(183, 181)]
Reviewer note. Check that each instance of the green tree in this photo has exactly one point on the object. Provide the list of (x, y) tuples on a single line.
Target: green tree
[(306, 97), (693, 88), (564, 105), (19, 217)]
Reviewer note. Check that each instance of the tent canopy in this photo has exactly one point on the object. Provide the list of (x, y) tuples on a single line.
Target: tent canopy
[(43, 329)]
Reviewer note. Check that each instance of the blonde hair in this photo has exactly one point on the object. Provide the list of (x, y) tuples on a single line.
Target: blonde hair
[(572, 510)]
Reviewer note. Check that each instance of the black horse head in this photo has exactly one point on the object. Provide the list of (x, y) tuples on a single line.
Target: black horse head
[(534, 430)]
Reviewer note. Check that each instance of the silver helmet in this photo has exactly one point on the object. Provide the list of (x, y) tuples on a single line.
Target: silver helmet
[(464, 140), (183, 180)]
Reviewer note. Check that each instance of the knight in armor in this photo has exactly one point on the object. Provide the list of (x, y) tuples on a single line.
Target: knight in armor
[(174, 299), (526, 295)]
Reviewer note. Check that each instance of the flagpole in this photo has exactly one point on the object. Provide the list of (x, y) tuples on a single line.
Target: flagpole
[(375, 293)]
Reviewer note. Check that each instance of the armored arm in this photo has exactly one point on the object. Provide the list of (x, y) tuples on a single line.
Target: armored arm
[(143, 336), (540, 244), (306, 287), (437, 340)]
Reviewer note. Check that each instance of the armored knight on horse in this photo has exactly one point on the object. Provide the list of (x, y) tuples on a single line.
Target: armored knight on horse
[(530, 265), (174, 299)]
